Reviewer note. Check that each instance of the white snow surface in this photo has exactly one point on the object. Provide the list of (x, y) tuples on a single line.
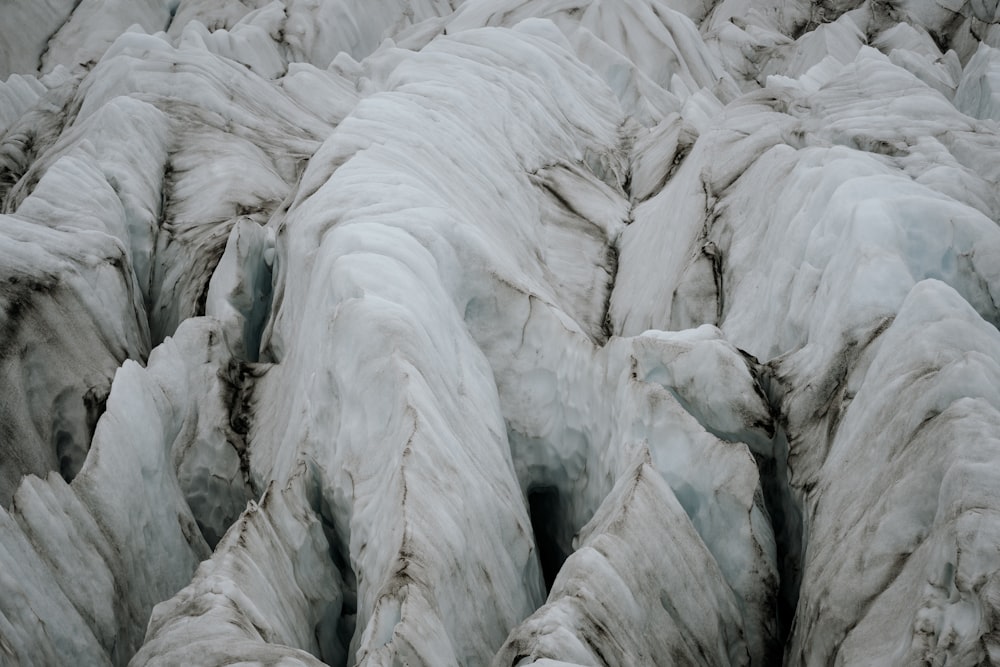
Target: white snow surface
[(500, 332)]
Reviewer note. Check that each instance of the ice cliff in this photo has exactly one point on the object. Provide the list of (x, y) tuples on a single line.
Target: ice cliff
[(500, 332)]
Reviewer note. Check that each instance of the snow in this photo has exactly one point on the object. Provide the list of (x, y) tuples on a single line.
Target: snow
[(66, 296), (928, 552), (511, 332), (25, 30), (639, 586), (123, 520), (18, 94), (268, 593), (977, 93)]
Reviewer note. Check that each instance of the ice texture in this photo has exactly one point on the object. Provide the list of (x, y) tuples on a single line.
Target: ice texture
[(499, 332)]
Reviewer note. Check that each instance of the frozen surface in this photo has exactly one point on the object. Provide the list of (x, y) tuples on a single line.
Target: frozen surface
[(639, 587), (499, 332)]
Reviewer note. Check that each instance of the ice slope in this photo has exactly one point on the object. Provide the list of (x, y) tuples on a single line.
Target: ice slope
[(26, 28), (869, 210), (487, 275), (511, 332), (68, 296), (269, 592), (616, 600), (85, 562)]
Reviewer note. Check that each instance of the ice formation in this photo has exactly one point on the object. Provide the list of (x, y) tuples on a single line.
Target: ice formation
[(500, 332)]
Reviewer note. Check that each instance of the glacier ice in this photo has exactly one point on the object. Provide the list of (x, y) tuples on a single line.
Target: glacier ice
[(499, 332)]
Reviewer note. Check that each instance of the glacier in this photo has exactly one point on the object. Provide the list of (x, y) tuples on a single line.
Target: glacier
[(500, 332)]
